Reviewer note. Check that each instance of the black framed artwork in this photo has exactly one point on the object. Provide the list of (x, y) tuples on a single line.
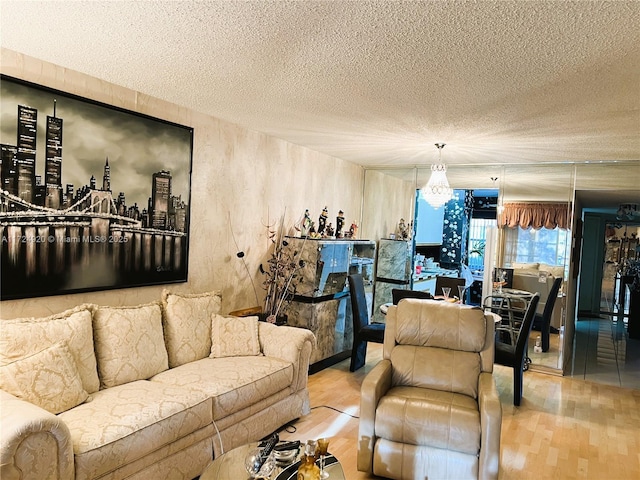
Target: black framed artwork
[(93, 197)]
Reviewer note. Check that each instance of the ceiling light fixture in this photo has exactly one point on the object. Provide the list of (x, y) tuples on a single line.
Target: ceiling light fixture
[(437, 191)]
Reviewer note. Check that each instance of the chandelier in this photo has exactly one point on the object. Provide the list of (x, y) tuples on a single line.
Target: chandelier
[(437, 191)]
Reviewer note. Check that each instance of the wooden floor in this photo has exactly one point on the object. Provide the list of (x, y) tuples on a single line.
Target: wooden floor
[(564, 428)]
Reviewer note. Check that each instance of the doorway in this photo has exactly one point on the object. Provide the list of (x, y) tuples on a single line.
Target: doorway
[(603, 350)]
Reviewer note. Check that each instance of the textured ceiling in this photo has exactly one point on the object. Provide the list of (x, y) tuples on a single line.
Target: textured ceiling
[(373, 82)]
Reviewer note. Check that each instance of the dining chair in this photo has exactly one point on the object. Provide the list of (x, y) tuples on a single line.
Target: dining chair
[(543, 322), (398, 294), (363, 331), (511, 310), (450, 282), (513, 355)]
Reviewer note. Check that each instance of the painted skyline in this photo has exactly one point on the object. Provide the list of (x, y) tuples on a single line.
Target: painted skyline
[(137, 147)]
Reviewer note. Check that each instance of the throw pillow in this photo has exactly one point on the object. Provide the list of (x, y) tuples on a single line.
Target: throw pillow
[(48, 379), (129, 343), (22, 337), (187, 325), (234, 336)]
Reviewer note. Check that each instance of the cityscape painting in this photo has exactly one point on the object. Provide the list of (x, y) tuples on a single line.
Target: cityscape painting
[(93, 197)]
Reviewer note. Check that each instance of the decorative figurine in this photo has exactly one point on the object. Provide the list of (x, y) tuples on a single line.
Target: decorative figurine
[(353, 230), (305, 224), (329, 230), (339, 224), (322, 221), (403, 232)]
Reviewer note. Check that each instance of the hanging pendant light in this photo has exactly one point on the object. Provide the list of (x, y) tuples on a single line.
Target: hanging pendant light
[(437, 191)]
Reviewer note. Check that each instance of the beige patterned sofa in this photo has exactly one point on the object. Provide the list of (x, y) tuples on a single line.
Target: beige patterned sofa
[(147, 391)]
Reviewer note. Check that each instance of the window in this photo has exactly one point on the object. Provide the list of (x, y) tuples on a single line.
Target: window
[(477, 241), (530, 245)]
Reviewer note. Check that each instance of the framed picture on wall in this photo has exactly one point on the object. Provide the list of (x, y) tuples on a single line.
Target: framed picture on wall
[(93, 197)]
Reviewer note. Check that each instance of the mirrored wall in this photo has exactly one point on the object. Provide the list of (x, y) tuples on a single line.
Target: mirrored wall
[(390, 194)]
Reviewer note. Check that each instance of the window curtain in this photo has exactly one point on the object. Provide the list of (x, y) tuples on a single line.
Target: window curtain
[(535, 215), (510, 246)]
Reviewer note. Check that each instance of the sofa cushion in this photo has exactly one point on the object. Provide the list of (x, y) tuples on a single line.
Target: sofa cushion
[(436, 368), (234, 336), (48, 379), (234, 383), (453, 422), (122, 424), (22, 337), (129, 343), (187, 325)]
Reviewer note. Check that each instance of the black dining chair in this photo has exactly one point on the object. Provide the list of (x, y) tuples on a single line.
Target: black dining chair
[(398, 294), (363, 331), (543, 322), (514, 355), (450, 282)]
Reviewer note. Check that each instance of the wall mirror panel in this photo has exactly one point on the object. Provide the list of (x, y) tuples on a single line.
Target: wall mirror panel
[(539, 255), (596, 188), (390, 194)]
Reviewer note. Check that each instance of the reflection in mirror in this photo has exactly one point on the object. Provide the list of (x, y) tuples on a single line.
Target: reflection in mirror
[(388, 201), (389, 194), (535, 237)]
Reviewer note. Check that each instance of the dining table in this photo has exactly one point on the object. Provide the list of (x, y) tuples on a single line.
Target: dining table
[(510, 304)]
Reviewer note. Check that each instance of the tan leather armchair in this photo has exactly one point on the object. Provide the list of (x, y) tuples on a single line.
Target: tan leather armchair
[(430, 408)]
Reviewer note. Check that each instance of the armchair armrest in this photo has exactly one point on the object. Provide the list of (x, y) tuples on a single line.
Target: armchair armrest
[(291, 344), (491, 423), (34, 443), (375, 385)]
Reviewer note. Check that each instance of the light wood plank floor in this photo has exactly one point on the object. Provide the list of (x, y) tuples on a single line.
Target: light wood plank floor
[(564, 428)]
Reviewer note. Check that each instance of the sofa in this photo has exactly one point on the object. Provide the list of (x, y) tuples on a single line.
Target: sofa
[(147, 391)]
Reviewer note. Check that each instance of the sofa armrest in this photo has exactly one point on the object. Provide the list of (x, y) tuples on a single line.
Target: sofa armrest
[(291, 344), (491, 423), (34, 443), (375, 385)]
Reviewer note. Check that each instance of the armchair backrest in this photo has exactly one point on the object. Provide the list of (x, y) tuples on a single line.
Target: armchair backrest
[(439, 345)]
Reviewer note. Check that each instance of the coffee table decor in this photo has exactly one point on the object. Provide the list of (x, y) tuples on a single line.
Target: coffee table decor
[(291, 472)]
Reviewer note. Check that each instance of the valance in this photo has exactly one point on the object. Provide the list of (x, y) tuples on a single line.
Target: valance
[(536, 215)]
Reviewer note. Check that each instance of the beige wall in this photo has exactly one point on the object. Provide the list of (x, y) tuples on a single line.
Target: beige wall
[(241, 180), (387, 199)]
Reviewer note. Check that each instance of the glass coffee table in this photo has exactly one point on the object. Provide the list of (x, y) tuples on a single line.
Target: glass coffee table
[(230, 466)]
